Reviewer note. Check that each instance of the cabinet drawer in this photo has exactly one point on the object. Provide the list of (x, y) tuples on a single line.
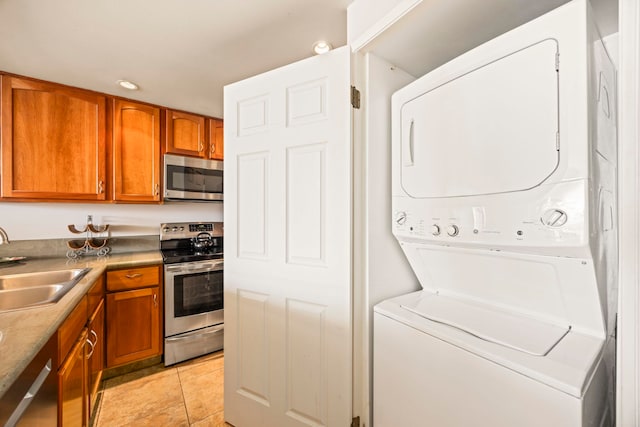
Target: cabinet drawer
[(71, 328), (133, 278)]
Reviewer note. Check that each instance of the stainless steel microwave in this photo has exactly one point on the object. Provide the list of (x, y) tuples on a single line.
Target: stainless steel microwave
[(189, 178)]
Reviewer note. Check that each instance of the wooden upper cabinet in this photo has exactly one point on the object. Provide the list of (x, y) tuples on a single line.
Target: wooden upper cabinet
[(216, 139), (136, 152), (53, 141), (186, 134)]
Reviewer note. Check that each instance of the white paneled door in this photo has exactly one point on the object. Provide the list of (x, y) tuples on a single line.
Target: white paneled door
[(287, 213)]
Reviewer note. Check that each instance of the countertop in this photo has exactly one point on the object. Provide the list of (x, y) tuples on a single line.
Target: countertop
[(24, 332)]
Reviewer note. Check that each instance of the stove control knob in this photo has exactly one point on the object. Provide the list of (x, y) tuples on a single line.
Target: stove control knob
[(166, 229), (435, 229), (452, 230), (181, 228), (174, 229)]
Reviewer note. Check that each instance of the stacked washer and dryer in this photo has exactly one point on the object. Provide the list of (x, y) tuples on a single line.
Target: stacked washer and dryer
[(504, 203)]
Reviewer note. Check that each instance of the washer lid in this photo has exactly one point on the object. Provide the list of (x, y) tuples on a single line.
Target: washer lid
[(491, 130), (512, 330)]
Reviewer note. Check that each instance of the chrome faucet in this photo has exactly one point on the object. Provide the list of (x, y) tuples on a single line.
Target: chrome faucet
[(3, 237)]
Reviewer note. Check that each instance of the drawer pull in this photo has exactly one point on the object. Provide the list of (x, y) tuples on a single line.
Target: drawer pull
[(133, 276)]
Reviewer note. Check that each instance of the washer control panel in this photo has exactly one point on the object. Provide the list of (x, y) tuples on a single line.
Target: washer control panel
[(555, 216)]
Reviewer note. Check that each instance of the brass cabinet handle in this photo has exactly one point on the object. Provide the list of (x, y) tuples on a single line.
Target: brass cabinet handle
[(157, 189), (155, 300), (200, 146), (100, 186), (213, 149), (133, 276)]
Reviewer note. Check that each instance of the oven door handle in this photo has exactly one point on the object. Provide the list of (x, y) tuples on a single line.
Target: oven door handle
[(208, 267), (217, 330)]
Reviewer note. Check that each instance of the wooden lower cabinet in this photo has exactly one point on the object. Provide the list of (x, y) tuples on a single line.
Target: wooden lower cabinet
[(96, 363), (133, 325), (72, 393), (81, 354)]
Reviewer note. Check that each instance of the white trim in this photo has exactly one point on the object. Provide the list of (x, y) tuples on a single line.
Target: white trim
[(366, 37), (629, 160)]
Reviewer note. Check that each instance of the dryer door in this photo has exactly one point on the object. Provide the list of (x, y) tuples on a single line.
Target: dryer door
[(491, 130)]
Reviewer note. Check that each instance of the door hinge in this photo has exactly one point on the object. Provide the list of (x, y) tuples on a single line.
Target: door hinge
[(557, 61), (355, 421), (355, 97)]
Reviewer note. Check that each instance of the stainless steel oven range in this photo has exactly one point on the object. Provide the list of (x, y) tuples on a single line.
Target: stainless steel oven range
[(193, 283)]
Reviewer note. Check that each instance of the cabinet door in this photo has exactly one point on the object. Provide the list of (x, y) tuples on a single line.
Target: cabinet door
[(53, 141), (185, 134), (216, 139), (133, 325), (136, 152), (96, 357), (72, 402)]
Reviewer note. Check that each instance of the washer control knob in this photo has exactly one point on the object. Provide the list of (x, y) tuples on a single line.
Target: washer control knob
[(401, 218), (554, 218), (435, 229), (452, 230)]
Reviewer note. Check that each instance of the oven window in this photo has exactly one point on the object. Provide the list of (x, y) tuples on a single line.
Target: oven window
[(198, 293), (184, 178)]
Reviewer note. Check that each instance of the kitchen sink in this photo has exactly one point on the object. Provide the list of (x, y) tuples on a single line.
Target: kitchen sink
[(18, 291)]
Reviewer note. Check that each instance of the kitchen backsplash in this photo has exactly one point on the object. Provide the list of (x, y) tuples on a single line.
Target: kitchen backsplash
[(57, 248)]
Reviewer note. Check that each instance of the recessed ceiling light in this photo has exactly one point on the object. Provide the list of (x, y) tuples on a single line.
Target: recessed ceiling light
[(128, 85), (321, 46)]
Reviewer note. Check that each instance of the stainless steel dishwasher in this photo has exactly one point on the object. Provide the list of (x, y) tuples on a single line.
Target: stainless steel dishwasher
[(32, 400)]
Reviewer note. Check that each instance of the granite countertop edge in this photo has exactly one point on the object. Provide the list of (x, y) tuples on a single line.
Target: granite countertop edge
[(23, 333)]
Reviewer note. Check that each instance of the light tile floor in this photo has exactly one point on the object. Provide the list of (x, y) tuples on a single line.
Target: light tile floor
[(186, 394)]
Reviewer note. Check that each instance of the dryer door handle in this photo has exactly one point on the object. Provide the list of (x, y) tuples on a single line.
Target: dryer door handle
[(407, 143)]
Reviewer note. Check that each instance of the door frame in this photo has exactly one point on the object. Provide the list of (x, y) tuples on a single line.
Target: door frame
[(628, 336)]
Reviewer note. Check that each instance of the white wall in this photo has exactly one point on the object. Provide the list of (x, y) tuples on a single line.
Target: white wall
[(611, 43), (385, 271), (32, 221)]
